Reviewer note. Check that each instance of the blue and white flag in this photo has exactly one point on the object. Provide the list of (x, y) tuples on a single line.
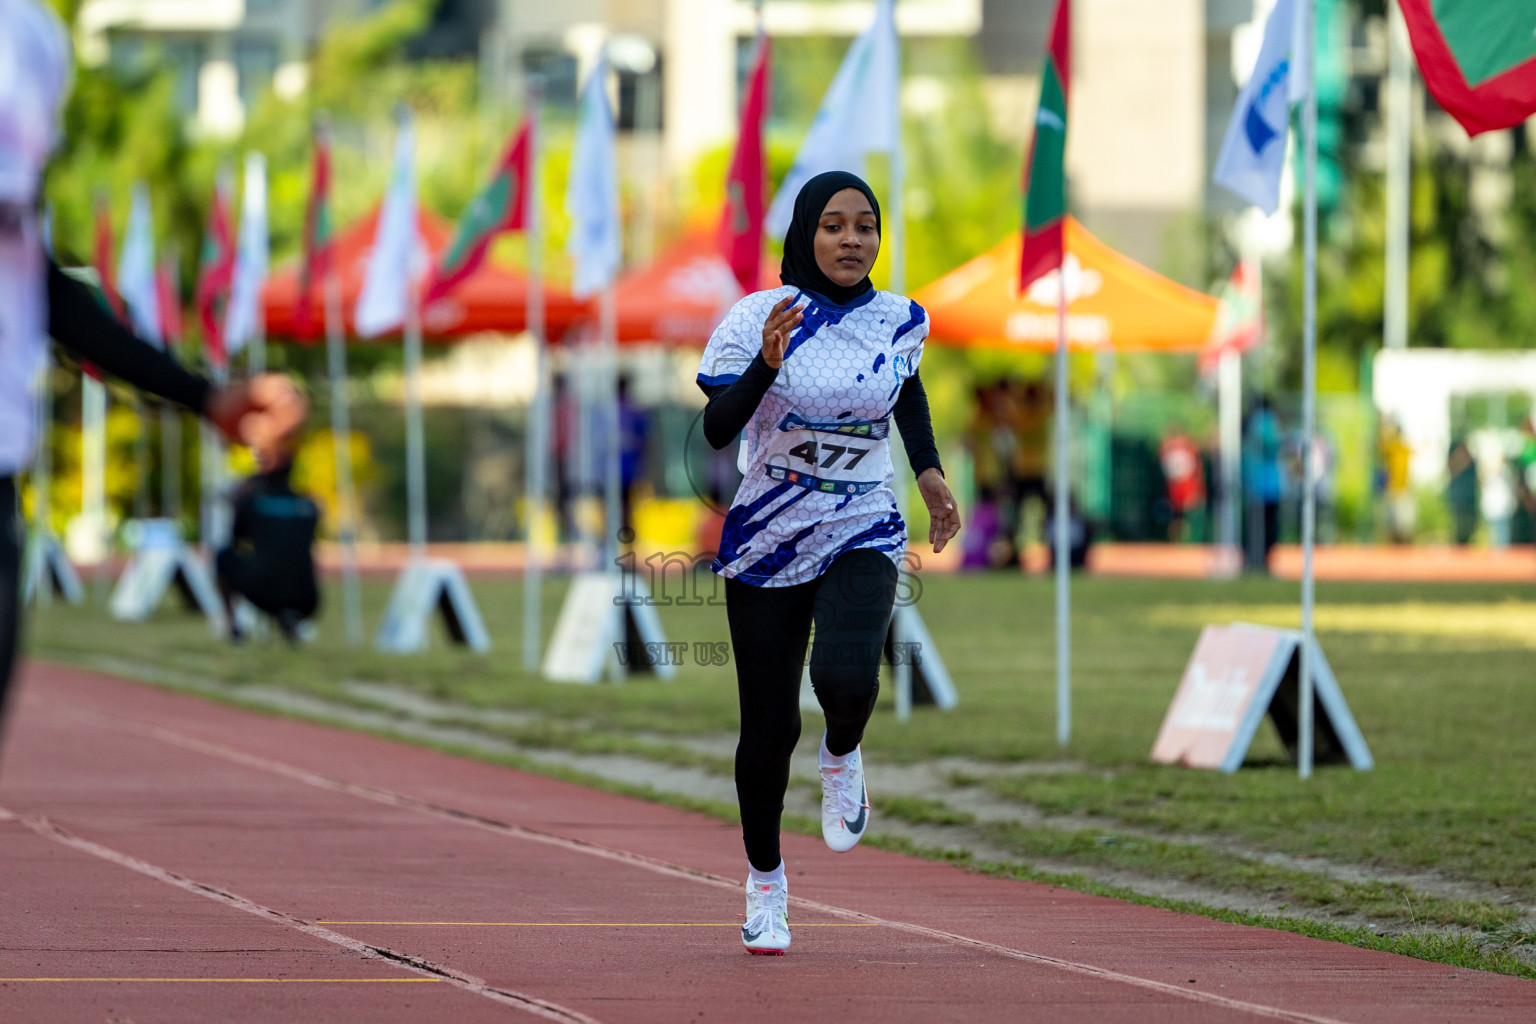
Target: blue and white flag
[(386, 295), (136, 268), (858, 115), (1252, 159), (240, 323), (592, 191)]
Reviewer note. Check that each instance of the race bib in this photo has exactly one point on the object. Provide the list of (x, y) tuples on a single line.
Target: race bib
[(834, 457)]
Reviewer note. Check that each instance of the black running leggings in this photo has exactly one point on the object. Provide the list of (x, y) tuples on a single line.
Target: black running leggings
[(850, 605)]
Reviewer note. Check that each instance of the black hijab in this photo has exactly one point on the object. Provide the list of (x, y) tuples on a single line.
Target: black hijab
[(799, 268)]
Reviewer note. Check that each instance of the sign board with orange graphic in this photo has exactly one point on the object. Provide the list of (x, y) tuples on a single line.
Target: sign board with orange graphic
[(1113, 302), (1237, 675)]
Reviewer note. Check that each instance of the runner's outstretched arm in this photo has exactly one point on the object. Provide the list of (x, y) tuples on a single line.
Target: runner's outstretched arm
[(77, 321)]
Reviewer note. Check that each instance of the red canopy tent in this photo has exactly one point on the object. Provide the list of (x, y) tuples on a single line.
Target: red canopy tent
[(680, 297), (490, 299)]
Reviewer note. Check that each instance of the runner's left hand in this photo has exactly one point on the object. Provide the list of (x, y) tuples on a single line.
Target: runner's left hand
[(943, 516)]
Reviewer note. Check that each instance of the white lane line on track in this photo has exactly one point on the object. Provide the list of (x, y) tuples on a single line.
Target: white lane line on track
[(473, 820), (434, 972)]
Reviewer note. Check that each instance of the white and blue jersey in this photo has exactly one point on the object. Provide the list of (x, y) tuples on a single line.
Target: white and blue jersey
[(817, 453)]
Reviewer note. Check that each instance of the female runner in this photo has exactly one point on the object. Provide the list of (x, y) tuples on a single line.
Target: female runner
[(815, 371)]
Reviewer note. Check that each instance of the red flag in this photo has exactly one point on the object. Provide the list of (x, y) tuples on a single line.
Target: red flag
[(741, 223), (318, 246), (215, 274), (1045, 173), (168, 298), (1478, 62), (103, 255), (1239, 317), (502, 205)]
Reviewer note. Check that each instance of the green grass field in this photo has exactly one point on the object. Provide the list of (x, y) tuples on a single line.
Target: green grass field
[(1440, 679)]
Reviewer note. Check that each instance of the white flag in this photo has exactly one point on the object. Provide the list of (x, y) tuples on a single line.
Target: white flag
[(858, 115), (1252, 158), (250, 258), (387, 289), (136, 268), (592, 191)]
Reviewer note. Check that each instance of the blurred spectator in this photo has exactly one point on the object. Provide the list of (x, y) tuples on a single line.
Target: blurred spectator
[(1496, 484), (563, 413), (1184, 474), (270, 559), (1525, 467), (1027, 406), (1461, 489), (1397, 495), (988, 440), (634, 425), (1261, 470)]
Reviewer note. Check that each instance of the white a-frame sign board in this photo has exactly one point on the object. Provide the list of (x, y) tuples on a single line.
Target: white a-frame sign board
[(1237, 675), (47, 571), (161, 559), (608, 626), (428, 586)]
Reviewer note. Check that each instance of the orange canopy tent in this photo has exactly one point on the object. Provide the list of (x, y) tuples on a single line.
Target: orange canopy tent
[(1112, 302), (490, 299)]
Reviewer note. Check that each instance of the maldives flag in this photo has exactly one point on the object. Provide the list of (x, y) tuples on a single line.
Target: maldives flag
[(1045, 181), (501, 206), (1478, 58), (318, 245), (168, 298), (741, 223), (103, 256), (216, 270)]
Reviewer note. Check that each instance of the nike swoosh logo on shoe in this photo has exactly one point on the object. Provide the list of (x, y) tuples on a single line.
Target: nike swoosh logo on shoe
[(750, 936), (857, 824)]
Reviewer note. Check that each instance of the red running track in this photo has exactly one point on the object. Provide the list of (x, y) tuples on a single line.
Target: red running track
[(170, 859)]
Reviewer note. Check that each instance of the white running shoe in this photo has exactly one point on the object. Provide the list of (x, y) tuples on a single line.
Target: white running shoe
[(844, 803), (766, 931)]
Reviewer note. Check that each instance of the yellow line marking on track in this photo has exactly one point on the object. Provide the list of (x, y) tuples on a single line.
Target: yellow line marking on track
[(598, 924), (252, 981)]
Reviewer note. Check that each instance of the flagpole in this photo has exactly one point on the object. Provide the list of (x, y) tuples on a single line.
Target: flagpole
[(212, 456), (1062, 555), (170, 463), (1229, 416), (1399, 175), (170, 418), (341, 437), (612, 484), (536, 443), (93, 464), (1308, 398), (415, 439), (256, 358)]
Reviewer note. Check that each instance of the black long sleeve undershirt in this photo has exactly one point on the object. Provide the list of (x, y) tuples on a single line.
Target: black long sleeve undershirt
[(731, 406), (77, 321)]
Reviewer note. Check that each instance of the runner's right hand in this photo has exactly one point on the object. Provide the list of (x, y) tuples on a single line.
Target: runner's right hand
[(781, 320)]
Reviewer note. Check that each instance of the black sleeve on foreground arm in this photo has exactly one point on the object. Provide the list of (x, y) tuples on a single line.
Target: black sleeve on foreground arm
[(732, 405), (77, 321), (912, 419)]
